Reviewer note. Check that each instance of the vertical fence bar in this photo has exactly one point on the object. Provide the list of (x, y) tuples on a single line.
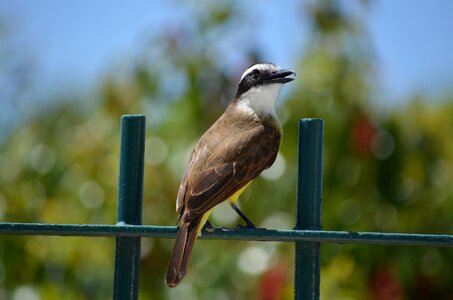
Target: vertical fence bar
[(308, 215), (130, 193)]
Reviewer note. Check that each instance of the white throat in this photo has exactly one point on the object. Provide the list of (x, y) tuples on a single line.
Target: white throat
[(260, 99)]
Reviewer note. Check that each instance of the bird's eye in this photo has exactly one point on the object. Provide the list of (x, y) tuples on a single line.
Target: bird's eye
[(256, 74)]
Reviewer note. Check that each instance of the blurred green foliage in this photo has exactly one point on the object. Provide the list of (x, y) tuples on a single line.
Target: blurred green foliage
[(383, 171)]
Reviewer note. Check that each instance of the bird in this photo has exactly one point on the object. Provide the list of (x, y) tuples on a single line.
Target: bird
[(243, 142)]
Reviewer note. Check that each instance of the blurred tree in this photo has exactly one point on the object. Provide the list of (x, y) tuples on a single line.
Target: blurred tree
[(17, 73), (382, 171)]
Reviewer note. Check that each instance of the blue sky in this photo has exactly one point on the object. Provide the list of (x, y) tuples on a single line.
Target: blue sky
[(414, 44), (77, 41)]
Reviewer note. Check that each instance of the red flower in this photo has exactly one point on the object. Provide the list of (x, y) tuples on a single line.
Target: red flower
[(362, 134), (272, 283)]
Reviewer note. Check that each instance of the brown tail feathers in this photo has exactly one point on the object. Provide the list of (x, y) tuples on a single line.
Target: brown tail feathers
[(179, 259)]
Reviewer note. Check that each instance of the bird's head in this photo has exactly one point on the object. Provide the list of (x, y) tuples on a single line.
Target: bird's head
[(260, 84), (263, 74)]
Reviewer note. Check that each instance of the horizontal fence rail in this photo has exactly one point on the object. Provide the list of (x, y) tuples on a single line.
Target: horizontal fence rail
[(275, 235)]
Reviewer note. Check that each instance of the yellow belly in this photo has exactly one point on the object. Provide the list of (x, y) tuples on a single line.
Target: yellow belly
[(204, 218), (234, 199)]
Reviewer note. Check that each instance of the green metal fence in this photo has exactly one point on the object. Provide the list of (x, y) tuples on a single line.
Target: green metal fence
[(307, 235)]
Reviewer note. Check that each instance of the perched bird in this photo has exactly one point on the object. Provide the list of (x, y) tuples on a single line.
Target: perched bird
[(242, 143)]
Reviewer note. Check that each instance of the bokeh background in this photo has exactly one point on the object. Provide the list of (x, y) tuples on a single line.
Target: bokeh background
[(378, 72)]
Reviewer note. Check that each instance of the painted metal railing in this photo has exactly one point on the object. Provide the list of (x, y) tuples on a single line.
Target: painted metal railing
[(307, 235)]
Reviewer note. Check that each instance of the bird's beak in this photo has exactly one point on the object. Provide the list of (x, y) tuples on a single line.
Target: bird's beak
[(280, 76)]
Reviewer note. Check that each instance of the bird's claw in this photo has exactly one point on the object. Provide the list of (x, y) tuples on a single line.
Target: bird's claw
[(208, 227), (248, 226)]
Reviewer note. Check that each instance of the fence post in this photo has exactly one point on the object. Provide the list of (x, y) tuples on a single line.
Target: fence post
[(308, 215), (130, 193)]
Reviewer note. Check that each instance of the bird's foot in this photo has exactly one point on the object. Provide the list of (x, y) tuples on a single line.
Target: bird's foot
[(249, 225), (208, 226)]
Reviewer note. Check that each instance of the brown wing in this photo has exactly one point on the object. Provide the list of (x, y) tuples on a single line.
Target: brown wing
[(220, 167), (183, 186)]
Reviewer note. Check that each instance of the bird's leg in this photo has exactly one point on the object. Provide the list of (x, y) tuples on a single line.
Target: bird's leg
[(243, 216)]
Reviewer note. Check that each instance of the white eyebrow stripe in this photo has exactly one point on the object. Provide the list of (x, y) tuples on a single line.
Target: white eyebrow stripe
[(254, 67), (248, 71)]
